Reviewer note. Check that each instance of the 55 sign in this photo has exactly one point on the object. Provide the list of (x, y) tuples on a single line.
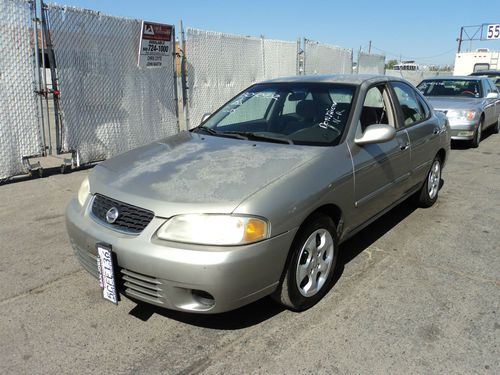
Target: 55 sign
[(493, 31)]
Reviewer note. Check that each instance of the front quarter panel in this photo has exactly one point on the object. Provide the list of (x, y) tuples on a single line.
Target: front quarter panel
[(286, 203)]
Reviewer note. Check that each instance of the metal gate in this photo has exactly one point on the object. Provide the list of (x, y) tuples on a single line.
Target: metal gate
[(370, 63), (108, 104), (322, 58), (20, 135)]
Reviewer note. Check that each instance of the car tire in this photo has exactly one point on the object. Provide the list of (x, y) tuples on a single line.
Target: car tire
[(310, 268), (429, 192), (477, 135)]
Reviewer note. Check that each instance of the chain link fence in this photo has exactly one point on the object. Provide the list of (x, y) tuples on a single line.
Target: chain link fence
[(20, 134), (108, 104), (221, 65), (370, 63), (280, 58), (326, 59)]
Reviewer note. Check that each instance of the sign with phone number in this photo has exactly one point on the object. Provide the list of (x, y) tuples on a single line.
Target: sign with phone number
[(493, 31), (155, 47)]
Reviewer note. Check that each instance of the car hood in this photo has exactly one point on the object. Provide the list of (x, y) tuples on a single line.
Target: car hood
[(193, 173), (453, 102)]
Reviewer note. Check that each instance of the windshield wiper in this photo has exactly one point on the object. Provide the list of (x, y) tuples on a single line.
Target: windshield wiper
[(255, 136), (219, 134), (205, 129)]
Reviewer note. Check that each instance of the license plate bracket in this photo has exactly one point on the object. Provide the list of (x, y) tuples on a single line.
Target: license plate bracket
[(106, 268)]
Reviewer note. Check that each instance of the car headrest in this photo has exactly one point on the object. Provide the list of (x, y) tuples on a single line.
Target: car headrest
[(306, 109)]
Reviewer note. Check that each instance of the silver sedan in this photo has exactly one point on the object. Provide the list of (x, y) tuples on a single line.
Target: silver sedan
[(256, 200), (472, 104)]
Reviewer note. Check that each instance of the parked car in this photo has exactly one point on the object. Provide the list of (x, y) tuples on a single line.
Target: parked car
[(494, 75), (256, 200), (471, 104)]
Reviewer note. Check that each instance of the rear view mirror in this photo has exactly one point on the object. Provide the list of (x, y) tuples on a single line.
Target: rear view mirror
[(492, 95), (205, 117), (297, 96), (376, 133)]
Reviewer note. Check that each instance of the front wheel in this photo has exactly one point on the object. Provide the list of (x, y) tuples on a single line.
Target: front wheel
[(477, 135), (309, 272), (496, 128), (428, 194)]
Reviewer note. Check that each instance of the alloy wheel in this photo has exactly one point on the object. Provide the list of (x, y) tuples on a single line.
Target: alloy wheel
[(434, 179), (315, 262)]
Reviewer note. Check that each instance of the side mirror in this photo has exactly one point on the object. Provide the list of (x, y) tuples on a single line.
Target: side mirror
[(205, 117), (376, 133), (492, 95)]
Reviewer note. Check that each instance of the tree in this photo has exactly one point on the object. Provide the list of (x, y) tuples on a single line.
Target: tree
[(390, 64)]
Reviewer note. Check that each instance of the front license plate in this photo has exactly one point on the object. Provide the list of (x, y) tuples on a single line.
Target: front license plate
[(106, 273)]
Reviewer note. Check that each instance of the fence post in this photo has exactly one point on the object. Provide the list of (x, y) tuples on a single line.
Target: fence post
[(263, 49), (297, 62), (304, 58), (41, 123), (184, 73), (174, 72), (53, 75)]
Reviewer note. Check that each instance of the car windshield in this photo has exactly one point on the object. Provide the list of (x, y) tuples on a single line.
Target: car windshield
[(298, 113), (451, 87)]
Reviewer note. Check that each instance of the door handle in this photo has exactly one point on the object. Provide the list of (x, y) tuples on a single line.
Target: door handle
[(405, 146), (436, 131)]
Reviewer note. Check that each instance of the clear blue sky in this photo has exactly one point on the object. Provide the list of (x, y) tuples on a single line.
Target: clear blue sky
[(421, 29)]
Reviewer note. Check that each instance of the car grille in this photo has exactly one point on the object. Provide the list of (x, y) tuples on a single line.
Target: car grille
[(143, 287), (131, 219), (133, 284), (86, 259)]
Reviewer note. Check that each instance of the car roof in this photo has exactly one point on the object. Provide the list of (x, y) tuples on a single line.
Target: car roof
[(486, 73), (353, 79), (466, 78)]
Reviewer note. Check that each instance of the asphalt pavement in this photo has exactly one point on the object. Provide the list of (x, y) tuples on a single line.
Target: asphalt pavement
[(417, 292)]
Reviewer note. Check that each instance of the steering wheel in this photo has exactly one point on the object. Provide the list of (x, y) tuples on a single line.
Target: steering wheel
[(469, 92), (315, 127)]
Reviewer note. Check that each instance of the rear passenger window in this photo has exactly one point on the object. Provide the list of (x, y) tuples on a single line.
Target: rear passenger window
[(413, 110)]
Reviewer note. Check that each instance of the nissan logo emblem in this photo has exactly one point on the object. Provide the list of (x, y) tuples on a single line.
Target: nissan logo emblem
[(112, 215)]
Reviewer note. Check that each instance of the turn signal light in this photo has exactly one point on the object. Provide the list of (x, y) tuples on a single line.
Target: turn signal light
[(255, 230)]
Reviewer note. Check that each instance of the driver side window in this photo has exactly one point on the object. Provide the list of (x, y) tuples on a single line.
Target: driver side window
[(411, 108)]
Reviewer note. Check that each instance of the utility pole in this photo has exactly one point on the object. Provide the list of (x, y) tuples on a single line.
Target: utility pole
[(460, 39), (370, 47)]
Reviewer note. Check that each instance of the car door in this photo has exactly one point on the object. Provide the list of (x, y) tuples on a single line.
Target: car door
[(415, 116), (381, 170), (492, 107)]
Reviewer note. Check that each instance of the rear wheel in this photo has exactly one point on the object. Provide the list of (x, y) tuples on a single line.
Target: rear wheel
[(478, 134), (428, 194), (496, 128), (309, 272)]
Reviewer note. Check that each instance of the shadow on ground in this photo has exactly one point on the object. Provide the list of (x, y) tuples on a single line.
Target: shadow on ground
[(266, 308)]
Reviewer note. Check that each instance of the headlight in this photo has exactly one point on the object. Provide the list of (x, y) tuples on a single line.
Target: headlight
[(210, 229), (84, 191), (461, 115)]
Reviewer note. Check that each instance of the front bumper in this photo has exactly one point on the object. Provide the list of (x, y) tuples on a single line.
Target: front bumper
[(462, 130), (171, 275)]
